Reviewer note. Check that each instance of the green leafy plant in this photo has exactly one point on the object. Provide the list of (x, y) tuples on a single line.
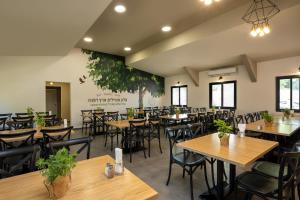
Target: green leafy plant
[(223, 128), (39, 120), (177, 110), (130, 112), (213, 108), (287, 112), (267, 117), (60, 164), (29, 111)]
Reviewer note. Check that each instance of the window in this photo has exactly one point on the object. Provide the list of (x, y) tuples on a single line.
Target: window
[(287, 93), (179, 95), (222, 94)]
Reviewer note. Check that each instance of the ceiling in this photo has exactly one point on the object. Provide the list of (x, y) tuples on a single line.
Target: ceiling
[(45, 28), (220, 42), (140, 26)]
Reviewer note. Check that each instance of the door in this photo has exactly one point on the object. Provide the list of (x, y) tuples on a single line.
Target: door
[(53, 100)]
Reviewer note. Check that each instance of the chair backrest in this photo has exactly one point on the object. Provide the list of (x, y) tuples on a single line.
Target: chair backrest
[(291, 162), (249, 118), (202, 110), (195, 129), (177, 134), (43, 113), (2, 123), (25, 156), (98, 111), (49, 120), (22, 114), (53, 147), (8, 115), (23, 122), (86, 114), (239, 119), (16, 140), (137, 126), (56, 134)]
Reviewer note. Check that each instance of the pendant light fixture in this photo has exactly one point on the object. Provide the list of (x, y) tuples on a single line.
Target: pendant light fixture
[(259, 15)]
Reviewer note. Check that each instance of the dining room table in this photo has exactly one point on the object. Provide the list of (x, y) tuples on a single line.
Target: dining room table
[(279, 126), (125, 125), (88, 182), (241, 152)]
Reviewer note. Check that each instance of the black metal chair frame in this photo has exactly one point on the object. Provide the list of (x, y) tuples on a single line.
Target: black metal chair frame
[(25, 138), (153, 133), (111, 131), (85, 141)]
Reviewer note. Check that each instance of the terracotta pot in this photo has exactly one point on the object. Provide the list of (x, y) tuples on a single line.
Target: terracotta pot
[(268, 124), (225, 140), (59, 187), (130, 118)]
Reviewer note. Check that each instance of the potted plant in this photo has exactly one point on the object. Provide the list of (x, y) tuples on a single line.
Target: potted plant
[(287, 113), (177, 112), (29, 111), (268, 118), (224, 131), (57, 172), (213, 108), (130, 113), (39, 121)]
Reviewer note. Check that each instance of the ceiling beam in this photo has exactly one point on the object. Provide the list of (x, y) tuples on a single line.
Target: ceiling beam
[(251, 66), (193, 74)]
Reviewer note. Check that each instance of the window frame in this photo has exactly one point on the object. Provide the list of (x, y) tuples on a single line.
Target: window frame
[(277, 101), (222, 96), (180, 86)]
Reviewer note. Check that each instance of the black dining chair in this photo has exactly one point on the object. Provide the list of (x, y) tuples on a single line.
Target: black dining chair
[(22, 122), (268, 187), (98, 122), (189, 161), (111, 131), (153, 132), (18, 160), (85, 143), (16, 140), (136, 135), (87, 119), (54, 135), (2, 123), (249, 118)]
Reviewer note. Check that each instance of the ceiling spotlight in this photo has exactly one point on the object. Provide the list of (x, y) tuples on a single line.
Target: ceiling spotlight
[(120, 8), (51, 83), (221, 77), (88, 39), (127, 48), (209, 2), (166, 28)]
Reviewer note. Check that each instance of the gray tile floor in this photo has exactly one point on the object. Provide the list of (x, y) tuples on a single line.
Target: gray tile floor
[(154, 170)]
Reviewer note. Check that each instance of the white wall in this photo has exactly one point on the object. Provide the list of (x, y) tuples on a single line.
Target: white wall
[(23, 81), (250, 96)]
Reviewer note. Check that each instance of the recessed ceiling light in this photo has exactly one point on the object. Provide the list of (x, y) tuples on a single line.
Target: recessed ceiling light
[(166, 28), (120, 8), (51, 83), (127, 48), (88, 39)]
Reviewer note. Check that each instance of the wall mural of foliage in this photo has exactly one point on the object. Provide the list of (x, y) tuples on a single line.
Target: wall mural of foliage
[(110, 72)]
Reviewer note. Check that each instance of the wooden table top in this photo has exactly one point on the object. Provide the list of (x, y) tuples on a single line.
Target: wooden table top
[(88, 182), (121, 124), (241, 151), (37, 135), (279, 127), (173, 117), (292, 120)]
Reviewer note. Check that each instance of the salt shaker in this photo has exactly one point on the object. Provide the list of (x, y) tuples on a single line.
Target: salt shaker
[(109, 170)]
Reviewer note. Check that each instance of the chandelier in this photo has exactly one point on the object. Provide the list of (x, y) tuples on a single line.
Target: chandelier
[(208, 2), (259, 15)]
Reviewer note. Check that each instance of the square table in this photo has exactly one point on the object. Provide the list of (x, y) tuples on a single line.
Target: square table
[(279, 127), (241, 152), (88, 182)]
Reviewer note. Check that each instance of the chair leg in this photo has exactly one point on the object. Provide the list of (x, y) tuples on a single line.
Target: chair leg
[(149, 146), (143, 141), (183, 172), (130, 151), (105, 139), (191, 183), (206, 179), (170, 171), (111, 142), (159, 143)]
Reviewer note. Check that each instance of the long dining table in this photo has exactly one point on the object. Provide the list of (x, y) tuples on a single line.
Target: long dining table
[(241, 151), (88, 182)]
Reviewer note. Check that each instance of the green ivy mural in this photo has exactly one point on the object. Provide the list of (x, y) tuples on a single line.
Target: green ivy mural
[(110, 72)]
